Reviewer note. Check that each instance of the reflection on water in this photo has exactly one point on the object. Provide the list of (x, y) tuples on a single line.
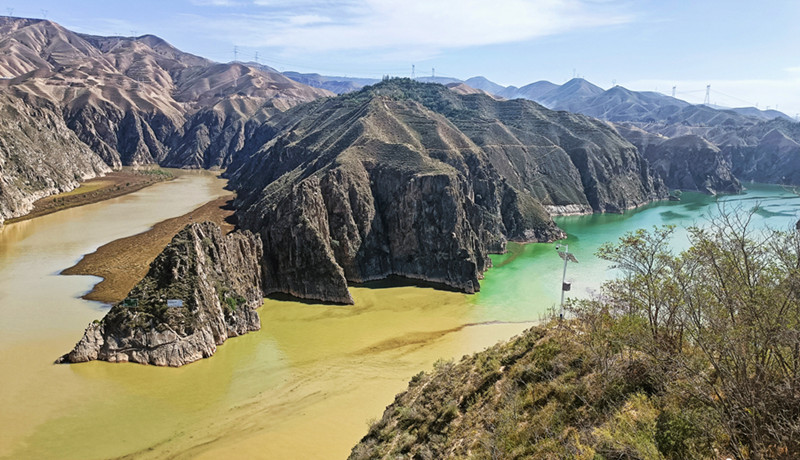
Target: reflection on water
[(302, 387)]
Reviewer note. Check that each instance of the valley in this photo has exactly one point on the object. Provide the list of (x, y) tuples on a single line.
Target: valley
[(319, 371), (204, 259)]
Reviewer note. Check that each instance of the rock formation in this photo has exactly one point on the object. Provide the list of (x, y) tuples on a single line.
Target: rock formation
[(131, 100), (692, 163), (216, 280), (39, 156), (411, 179)]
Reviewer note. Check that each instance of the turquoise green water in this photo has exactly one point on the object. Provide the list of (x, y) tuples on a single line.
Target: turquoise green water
[(526, 282)]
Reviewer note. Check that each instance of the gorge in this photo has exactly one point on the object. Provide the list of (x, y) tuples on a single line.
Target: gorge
[(374, 228)]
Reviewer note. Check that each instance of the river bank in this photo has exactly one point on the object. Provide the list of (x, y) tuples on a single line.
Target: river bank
[(112, 185)]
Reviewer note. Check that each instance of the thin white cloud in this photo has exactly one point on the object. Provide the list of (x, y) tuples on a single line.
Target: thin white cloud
[(308, 19), (417, 26), (216, 3)]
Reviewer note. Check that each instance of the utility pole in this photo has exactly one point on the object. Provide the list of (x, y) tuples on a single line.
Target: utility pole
[(568, 257), (707, 100)]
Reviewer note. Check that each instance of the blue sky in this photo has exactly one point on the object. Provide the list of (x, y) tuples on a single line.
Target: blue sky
[(749, 51)]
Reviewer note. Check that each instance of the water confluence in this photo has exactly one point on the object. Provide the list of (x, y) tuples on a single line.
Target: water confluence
[(302, 387)]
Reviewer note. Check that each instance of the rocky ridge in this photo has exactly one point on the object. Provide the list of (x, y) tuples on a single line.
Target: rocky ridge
[(217, 279), (411, 179), (39, 156), (125, 101), (139, 100)]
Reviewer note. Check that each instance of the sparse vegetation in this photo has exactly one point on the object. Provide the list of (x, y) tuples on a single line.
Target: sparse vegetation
[(691, 355)]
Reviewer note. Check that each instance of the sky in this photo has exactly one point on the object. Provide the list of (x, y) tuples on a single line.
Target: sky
[(748, 51)]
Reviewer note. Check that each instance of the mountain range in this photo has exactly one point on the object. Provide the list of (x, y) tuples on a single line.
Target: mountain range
[(125, 101), (400, 177), (414, 179)]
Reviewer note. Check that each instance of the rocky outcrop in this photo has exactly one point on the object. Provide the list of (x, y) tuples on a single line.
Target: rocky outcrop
[(692, 163), (768, 152), (217, 281), (39, 156), (414, 180)]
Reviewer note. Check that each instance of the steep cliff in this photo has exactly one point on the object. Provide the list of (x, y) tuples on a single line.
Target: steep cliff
[(216, 278), (39, 156), (411, 179), (692, 163)]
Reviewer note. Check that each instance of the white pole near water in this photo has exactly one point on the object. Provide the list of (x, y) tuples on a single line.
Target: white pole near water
[(564, 287)]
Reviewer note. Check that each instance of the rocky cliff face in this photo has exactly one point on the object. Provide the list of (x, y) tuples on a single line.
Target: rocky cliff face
[(768, 152), (218, 280), (692, 163), (39, 156), (414, 180)]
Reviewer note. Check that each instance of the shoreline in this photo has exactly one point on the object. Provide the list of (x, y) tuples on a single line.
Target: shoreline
[(124, 262), (95, 190)]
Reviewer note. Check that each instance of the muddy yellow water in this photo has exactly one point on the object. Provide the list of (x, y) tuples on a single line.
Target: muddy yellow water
[(302, 387), (306, 384)]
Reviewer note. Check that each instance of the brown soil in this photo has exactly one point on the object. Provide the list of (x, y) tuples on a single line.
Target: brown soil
[(124, 262), (111, 185)]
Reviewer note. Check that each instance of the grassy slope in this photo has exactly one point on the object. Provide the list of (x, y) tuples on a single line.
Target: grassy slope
[(541, 395)]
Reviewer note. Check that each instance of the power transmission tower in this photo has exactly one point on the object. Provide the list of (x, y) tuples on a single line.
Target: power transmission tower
[(433, 72), (707, 100), (235, 53), (10, 11), (413, 72), (673, 91), (256, 57), (44, 14)]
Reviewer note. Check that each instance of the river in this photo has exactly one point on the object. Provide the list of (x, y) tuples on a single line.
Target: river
[(302, 387)]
